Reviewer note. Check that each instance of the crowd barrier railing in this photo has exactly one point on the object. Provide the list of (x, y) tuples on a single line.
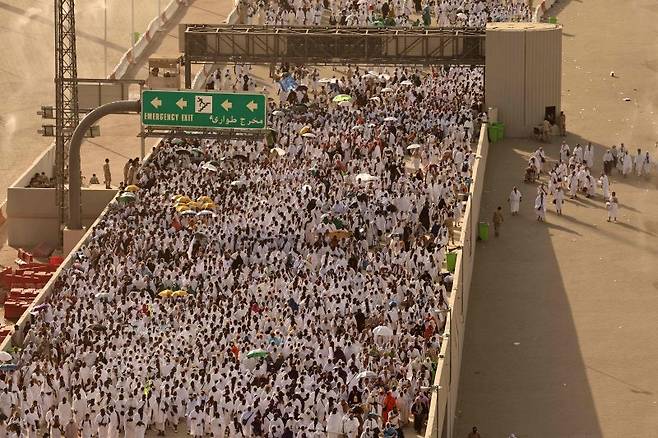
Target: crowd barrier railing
[(445, 391)]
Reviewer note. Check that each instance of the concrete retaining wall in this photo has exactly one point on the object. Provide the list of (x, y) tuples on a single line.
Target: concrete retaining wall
[(444, 400), (156, 25), (33, 216)]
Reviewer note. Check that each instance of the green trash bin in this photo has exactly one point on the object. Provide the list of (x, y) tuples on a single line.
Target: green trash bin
[(483, 231), (451, 261), (493, 133), (501, 131), (552, 20)]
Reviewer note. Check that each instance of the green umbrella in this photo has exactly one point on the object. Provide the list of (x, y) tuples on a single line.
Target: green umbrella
[(127, 197), (342, 98), (259, 352)]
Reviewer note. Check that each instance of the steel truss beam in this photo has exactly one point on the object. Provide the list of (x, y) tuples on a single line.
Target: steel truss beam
[(66, 95), (327, 46), (212, 134)]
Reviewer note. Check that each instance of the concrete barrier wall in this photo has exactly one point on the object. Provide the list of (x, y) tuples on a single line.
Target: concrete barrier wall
[(444, 400), (133, 54), (43, 163), (33, 214)]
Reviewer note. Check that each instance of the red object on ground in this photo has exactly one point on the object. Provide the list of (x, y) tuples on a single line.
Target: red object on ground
[(55, 260)]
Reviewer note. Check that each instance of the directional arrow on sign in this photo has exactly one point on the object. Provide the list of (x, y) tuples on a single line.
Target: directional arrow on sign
[(182, 103), (253, 106), (227, 105), (156, 102)]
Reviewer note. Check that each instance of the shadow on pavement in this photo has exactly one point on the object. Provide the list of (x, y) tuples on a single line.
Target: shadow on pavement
[(539, 386)]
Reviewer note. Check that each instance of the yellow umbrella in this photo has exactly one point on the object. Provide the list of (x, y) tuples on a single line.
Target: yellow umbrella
[(181, 208), (340, 234), (304, 130), (131, 188), (184, 200), (194, 205), (208, 206), (165, 293), (204, 199), (180, 294)]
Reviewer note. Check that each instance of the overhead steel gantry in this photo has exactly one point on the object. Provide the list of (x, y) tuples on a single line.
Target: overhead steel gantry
[(327, 46)]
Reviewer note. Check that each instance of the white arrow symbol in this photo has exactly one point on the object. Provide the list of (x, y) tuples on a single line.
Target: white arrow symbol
[(253, 106), (227, 105), (156, 102), (182, 103)]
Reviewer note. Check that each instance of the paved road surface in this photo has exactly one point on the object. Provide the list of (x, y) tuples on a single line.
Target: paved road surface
[(578, 294)]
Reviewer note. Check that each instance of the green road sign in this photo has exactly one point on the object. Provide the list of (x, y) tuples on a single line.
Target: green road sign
[(196, 109)]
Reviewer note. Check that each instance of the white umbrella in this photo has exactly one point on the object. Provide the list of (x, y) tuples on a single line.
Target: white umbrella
[(357, 127), (384, 76), (366, 375), (390, 119), (382, 330), (406, 83), (4, 356), (376, 98), (102, 295), (413, 146), (206, 213), (345, 103), (209, 167), (309, 135), (237, 183), (366, 177), (387, 90), (328, 80), (280, 152), (277, 113)]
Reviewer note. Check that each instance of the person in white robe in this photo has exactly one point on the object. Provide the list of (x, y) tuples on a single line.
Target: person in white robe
[(627, 164), (604, 182), (613, 207), (514, 201), (588, 155), (639, 158), (646, 164), (558, 200), (540, 207)]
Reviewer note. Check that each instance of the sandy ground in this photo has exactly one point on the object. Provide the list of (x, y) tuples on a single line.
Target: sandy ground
[(26, 77), (578, 294)]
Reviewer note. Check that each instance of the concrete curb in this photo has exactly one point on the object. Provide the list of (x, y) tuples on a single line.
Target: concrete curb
[(132, 55)]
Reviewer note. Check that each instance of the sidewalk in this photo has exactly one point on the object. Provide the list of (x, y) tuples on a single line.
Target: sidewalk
[(560, 338)]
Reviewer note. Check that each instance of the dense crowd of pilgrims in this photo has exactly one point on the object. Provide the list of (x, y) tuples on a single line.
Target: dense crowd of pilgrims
[(441, 13), (288, 287), (291, 287)]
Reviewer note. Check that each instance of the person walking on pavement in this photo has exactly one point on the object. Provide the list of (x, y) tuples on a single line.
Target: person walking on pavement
[(613, 207), (107, 174), (474, 433), (514, 201), (497, 220)]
